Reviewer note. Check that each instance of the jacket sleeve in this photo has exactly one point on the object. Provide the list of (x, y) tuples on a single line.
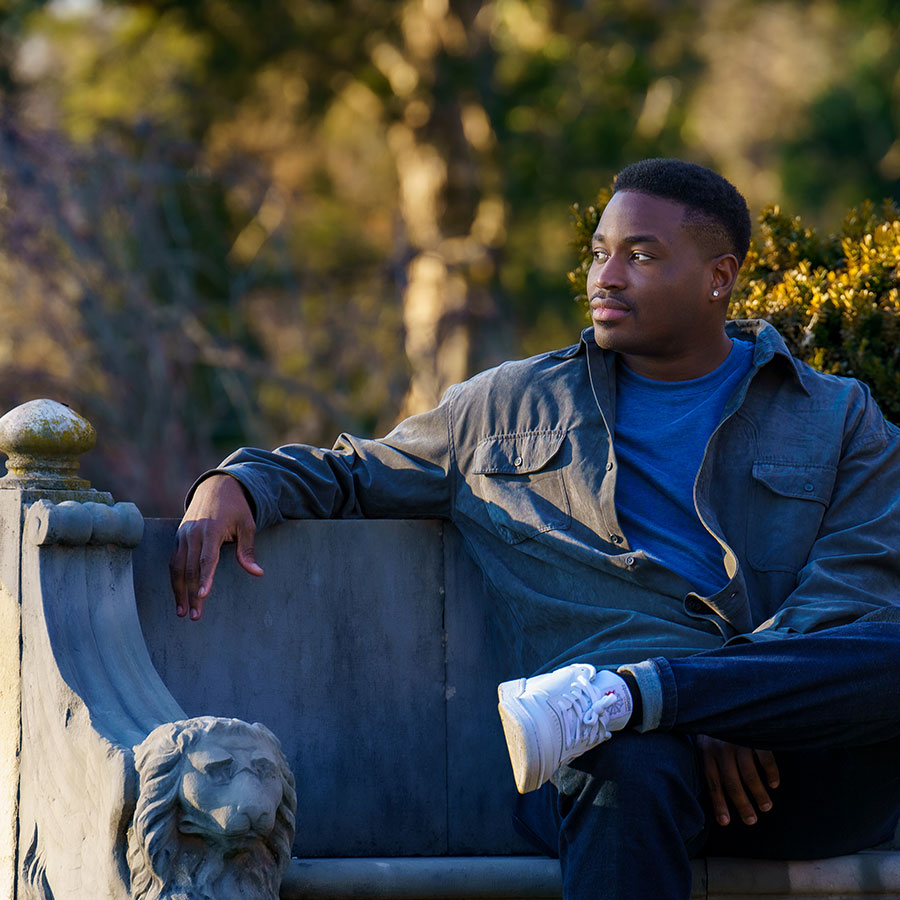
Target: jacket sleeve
[(853, 567), (406, 474)]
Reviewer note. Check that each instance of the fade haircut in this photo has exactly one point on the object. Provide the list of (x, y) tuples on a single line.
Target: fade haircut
[(714, 207)]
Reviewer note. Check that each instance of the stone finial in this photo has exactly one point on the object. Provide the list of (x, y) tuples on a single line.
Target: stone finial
[(43, 440)]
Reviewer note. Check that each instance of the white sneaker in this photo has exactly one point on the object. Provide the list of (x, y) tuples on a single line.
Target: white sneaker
[(551, 719)]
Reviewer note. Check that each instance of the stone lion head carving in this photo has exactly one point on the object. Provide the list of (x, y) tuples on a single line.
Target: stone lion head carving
[(215, 812)]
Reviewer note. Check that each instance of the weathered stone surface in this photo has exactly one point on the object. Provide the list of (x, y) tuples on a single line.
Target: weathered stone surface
[(339, 646), (368, 645), (78, 692), (43, 440), (72, 523), (215, 812), (9, 737), (89, 695), (868, 874)]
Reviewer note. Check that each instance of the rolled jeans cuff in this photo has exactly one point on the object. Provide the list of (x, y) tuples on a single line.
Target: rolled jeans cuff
[(658, 693)]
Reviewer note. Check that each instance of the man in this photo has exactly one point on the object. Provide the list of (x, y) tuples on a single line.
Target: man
[(692, 538)]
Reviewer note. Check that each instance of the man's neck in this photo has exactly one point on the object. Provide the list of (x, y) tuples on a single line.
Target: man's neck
[(693, 364)]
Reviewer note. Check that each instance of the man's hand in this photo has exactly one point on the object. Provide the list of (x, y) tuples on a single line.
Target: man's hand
[(218, 512), (734, 772)]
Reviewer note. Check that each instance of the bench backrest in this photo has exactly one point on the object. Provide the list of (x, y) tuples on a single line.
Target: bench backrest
[(367, 648)]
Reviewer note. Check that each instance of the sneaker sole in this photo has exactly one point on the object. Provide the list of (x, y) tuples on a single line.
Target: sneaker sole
[(521, 738)]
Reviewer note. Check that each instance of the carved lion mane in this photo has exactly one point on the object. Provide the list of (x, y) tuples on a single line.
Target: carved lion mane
[(179, 851)]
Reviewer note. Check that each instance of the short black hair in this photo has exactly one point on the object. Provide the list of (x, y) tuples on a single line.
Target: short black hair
[(715, 206)]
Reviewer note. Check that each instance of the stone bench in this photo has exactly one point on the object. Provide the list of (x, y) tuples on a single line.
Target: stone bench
[(367, 648)]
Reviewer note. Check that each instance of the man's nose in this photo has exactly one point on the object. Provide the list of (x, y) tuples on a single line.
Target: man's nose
[(609, 274)]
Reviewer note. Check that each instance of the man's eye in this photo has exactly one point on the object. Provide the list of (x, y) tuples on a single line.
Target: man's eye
[(640, 256), (598, 254)]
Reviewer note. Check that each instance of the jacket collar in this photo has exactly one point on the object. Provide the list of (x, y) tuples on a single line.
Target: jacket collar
[(768, 344)]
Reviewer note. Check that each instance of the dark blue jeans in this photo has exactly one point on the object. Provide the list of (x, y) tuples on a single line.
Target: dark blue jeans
[(626, 817)]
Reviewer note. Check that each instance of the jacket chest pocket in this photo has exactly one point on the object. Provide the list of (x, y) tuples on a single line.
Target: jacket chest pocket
[(787, 505), (519, 478)]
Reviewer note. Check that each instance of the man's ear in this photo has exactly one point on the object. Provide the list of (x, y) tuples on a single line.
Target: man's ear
[(723, 272)]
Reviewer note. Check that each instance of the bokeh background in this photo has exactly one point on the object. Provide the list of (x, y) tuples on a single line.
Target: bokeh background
[(260, 221)]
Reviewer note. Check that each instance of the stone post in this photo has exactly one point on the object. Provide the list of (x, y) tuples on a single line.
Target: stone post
[(42, 440), (88, 730)]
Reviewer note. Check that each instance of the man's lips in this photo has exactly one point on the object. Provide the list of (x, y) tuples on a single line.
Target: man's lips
[(607, 308)]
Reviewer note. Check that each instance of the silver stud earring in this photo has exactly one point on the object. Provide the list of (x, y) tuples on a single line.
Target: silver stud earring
[(715, 293)]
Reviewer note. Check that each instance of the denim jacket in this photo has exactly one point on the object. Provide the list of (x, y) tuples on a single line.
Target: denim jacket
[(800, 484)]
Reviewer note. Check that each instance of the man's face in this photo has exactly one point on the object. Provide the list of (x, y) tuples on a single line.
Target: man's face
[(650, 289)]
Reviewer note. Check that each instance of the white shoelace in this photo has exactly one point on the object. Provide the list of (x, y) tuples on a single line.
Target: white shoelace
[(584, 713)]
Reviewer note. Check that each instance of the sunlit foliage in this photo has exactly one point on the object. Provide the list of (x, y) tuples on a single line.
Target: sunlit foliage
[(836, 297)]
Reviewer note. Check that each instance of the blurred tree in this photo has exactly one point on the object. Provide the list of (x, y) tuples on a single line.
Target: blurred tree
[(116, 301), (315, 215), (800, 103)]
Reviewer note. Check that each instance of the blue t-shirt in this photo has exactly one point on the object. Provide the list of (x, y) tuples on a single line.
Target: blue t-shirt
[(662, 429)]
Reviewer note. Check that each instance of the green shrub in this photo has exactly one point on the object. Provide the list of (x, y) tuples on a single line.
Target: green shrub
[(835, 298)]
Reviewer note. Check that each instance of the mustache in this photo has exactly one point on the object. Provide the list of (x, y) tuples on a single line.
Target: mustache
[(605, 298)]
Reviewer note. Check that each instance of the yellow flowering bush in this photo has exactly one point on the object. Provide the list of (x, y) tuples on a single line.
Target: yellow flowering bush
[(836, 299)]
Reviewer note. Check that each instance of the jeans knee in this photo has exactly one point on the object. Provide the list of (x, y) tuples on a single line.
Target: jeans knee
[(639, 761), (636, 781), (636, 791)]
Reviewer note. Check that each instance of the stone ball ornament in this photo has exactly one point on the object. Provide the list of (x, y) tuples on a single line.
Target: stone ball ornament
[(215, 812), (43, 440)]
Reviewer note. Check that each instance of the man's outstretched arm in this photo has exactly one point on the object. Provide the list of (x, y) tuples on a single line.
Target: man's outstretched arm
[(218, 512), (404, 474)]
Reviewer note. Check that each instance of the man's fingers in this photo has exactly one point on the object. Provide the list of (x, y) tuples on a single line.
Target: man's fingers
[(218, 512), (177, 578), (770, 768), (209, 561), (733, 777), (746, 760), (734, 786), (245, 552), (713, 782)]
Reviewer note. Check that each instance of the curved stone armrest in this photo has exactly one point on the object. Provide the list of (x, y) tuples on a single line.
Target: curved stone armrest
[(103, 740), (89, 694)]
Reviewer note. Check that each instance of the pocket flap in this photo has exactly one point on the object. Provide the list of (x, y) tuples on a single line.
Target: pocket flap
[(517, 454), (802, 482)]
